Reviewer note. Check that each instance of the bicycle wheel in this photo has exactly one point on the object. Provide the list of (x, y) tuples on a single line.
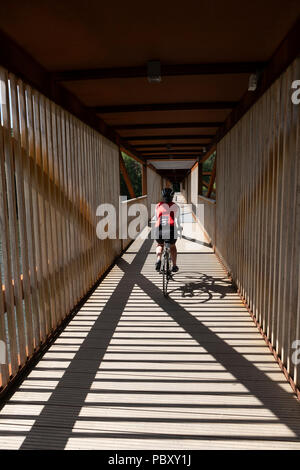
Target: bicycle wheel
[(166, 270)]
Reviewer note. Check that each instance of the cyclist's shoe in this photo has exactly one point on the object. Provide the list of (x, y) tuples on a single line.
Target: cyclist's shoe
[(158, 265), (175, 269)]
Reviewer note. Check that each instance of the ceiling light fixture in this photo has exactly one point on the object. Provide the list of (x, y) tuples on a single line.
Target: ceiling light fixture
[(154, 71), (252, 85)]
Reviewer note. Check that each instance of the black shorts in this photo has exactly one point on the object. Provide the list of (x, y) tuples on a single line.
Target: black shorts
[(169, 236), (161, 241)]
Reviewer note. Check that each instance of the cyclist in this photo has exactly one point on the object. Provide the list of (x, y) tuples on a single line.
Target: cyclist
[(167, 216)]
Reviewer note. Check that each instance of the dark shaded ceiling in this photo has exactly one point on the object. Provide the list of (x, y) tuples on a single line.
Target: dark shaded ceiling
[(76, 34), (188, 107)]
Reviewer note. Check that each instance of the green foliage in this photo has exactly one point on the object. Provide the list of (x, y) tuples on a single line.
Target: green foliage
[(209, 163), (134, 170), (208, 166)]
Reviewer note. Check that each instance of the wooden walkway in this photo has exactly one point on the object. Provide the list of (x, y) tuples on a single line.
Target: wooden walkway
[(134, 370)]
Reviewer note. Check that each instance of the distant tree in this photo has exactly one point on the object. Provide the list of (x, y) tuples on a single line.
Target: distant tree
[(208, 166), (134, 170)]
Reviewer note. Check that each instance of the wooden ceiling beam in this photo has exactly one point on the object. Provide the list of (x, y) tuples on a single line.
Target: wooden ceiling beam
[(173, 170), (176, 145), (169, 137), (172, 125), (166, 71), (135, 108), (167, 154), (17, 61), (178, 158)]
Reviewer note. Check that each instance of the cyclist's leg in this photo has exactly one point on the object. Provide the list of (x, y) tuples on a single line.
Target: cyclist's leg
[(159, 251), (173, 251)]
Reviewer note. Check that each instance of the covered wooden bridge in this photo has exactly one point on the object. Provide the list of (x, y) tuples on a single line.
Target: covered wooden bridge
[(205, 96)]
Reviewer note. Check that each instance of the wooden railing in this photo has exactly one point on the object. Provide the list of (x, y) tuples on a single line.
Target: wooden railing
[(254, 224), (258, 216), (209, 218), (54, 172), (129, 203)]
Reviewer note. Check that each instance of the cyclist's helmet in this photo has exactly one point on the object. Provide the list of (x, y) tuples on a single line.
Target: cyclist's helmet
[(167, 194)]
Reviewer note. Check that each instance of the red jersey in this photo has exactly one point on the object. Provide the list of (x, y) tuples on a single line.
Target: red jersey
[(166, 213)]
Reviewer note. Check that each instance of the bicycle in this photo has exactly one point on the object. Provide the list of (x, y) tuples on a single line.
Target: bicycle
[(165, 268)]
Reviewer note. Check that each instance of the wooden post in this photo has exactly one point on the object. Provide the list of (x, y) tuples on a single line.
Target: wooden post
[(126, 177), (144, 180), (200, 179)]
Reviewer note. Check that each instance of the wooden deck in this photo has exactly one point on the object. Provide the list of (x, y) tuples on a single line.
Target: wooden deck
[(134, 370)]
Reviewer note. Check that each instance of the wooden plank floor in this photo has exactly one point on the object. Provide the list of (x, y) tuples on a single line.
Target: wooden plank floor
[(134, 370)]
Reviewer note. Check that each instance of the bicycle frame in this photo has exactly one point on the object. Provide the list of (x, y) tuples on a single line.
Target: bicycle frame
[(165, 269)]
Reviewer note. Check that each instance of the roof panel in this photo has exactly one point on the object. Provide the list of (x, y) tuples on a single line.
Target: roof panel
[(173, 164)]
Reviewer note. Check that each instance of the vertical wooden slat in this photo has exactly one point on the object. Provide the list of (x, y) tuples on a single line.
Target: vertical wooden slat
[(13, 224), (7, 263), (272, 192), (52, 223), (98, 160), (90, 254), (49, 222), (275, 273), (264, 210), (41, 181), (85, 239), (250, 215), (67, 211), (78, 185), (63, 204), (283, 220), (79, 219), (58, 231), (21, 220), (200, 176), (28, 190), (93, 197), (72, 197), (286, 223), (4, 372), (11, 335), (144, 180), (61, 159), (89, 204), (36, 182)]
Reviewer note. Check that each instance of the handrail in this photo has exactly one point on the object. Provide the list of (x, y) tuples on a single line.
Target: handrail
[(134, 199), (207, 199)]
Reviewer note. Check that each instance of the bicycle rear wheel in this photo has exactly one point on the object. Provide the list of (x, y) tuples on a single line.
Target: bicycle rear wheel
[(166, 270)]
